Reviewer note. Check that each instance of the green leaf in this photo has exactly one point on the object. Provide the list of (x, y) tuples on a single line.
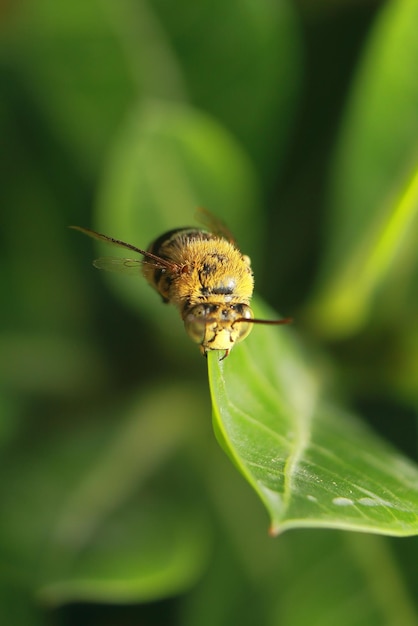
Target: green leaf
[(385, 254), (371, 233), (353, 579), (154, 550), (310, 463)]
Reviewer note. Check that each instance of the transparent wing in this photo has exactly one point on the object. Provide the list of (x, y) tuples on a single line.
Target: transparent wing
[(214, 224), (118, 264), (125, 265)]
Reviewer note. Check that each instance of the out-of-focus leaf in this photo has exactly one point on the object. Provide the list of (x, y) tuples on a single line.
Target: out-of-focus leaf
[(403, 378), (153, 551), (228, 582), (38, 272), (374, 188), (364, 584), (85, 63), (246, 73), (97, 530), (311, 463)]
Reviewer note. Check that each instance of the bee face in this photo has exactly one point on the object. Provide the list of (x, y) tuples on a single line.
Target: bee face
[(203, 275), (218, 326)]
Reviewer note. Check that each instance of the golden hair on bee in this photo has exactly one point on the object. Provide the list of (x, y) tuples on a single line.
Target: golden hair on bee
[(203, 274)]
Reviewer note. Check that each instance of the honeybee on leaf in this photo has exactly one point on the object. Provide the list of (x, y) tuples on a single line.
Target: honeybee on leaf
[(203, 274)]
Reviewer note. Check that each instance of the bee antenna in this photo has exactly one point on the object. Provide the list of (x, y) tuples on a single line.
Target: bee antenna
[(252, 320)]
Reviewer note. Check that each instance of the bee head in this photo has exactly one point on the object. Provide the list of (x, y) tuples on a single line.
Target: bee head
[(218, 326)]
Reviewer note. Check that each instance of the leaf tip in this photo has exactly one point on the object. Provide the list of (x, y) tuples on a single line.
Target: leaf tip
[(274, 531)]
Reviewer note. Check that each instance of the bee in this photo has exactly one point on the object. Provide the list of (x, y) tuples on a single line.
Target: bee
[(204, 275)]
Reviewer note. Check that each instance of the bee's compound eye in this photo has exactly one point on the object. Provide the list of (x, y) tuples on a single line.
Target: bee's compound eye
[(195, 323), (243, 328)]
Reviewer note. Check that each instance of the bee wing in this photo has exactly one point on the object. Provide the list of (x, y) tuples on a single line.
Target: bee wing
[(117, 264), (152, 259), (127, 266), (214, 224)]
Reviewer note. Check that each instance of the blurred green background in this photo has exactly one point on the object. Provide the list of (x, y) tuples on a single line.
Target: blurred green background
[(296, 123)]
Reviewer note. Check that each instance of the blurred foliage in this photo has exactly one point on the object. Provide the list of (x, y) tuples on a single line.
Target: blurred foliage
[(296, 123)]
